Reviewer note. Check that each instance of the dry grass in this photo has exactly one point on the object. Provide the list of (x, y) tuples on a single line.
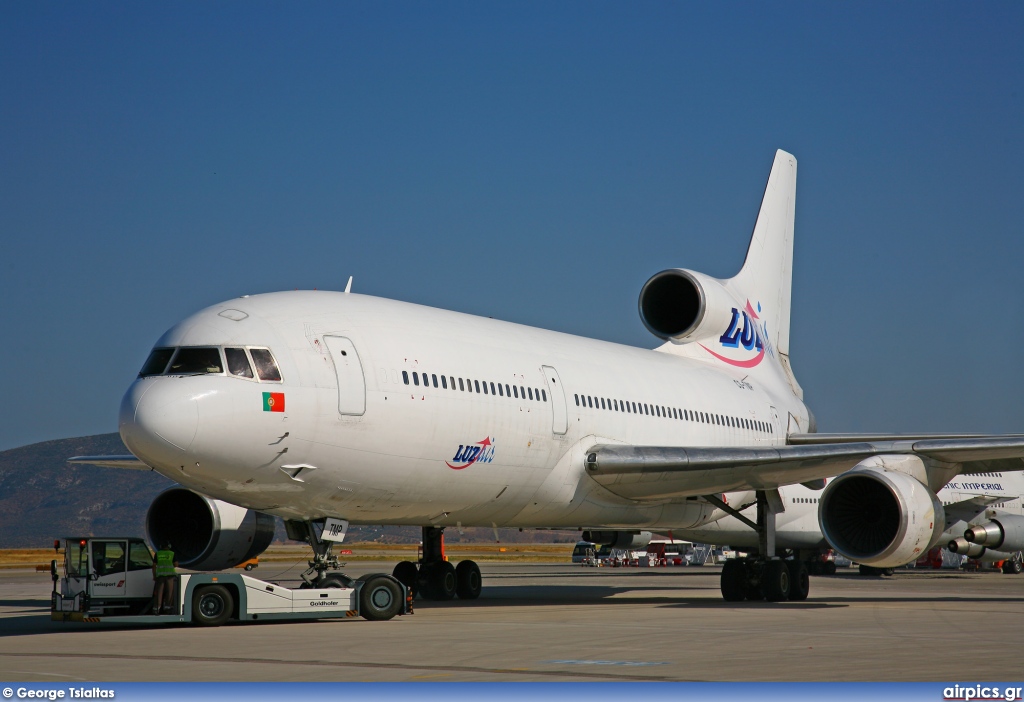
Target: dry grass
[(285, 553)]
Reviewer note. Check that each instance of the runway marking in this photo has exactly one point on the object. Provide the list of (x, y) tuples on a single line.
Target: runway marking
[(352, 664)]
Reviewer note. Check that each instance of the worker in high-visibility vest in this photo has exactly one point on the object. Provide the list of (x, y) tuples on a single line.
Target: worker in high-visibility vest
[(163, 580)]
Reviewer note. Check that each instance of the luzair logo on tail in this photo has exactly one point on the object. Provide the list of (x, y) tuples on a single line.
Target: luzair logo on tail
[(748, 332)]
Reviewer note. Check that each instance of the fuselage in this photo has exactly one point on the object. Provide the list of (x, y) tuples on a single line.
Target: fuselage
[(394, 413)]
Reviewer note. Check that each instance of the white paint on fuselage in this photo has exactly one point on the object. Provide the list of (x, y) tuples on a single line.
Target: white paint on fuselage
[(388, 465)]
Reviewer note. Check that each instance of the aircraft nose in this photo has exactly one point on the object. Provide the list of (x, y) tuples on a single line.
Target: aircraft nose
[(158, 421)]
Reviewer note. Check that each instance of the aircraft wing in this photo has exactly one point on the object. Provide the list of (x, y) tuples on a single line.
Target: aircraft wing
[(657, 472), (967, 510), (110, 462)]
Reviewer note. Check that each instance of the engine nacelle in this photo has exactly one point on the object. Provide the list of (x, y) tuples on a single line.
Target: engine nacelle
[(880, 518), (1005, 532), (619, 539), (965, 548), (207, 534), (684, 305)]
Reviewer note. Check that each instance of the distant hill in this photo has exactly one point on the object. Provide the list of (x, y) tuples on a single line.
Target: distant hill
[(42, 497)]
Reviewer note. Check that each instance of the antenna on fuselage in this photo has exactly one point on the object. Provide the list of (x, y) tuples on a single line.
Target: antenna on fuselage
[(348, 285)]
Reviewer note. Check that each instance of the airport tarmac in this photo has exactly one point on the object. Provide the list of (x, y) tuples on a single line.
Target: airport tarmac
[(549, 622)]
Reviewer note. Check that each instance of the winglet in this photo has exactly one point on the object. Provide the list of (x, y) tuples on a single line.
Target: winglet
[(348, 286)]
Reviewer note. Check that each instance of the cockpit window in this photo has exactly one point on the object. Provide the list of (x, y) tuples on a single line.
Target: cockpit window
[(238, 363), (195, 360), (266, 366), (156, 362)]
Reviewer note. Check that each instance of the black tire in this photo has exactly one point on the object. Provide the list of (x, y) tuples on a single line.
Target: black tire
[(734, 580), (468, 581), (799, 581), (405, 573), (249, 566), (437, 581), (334, 580), (870, 571), (1013, 567), (380, 597), (212, 605), (829, 568), (775, 581)]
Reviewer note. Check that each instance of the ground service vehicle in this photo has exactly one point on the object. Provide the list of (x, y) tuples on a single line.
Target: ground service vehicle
[(110, 580)]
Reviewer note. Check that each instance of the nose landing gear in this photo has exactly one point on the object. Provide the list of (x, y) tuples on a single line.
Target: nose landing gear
[(435, 578)]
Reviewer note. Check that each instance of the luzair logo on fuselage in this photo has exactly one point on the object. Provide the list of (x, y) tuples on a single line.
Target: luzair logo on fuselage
[(468, 454), (748, 332)]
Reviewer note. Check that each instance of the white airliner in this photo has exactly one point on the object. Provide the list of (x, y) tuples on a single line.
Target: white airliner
[(984, 520), (331, 408)]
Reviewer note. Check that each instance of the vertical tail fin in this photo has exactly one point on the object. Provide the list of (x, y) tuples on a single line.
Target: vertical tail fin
[(767, 274), (766, 278)]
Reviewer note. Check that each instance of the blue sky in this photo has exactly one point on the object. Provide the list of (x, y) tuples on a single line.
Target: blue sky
[(530, 161)]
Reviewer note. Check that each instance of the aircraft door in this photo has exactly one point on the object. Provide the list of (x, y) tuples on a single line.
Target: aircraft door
[(559, 417), (351, 383)]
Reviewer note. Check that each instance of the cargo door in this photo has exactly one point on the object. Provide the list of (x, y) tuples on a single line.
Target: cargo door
[(351, 383), (110, 568), (559, 417)]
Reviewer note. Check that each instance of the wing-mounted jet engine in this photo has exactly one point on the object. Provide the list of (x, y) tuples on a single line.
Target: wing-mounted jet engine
[(1004, 533), (207, 534), (879, 517)]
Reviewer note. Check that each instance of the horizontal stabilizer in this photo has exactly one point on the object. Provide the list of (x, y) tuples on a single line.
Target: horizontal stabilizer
[(110, 462)]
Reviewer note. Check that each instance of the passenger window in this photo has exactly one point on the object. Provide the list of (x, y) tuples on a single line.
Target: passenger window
[(416, 379), (590, 402), (544, 394), (492, 388), (238, 363), (522, 392), (156, 363), (508, 390), (405, 377), (485, 387), (461, 387), (501, 391), (647, 410), (444, 383), (426, 380), (476, 384), (194, 360), (602, 403), (577, 398), (434, 377), (451, 381)]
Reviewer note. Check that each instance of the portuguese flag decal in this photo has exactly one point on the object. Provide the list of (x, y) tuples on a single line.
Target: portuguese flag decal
[(273, 402)]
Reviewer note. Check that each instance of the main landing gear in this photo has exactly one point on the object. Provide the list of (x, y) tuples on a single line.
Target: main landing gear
[(763, 577), (435, 578)]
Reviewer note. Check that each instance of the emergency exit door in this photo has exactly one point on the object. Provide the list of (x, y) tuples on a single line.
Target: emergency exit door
[(351, 384)]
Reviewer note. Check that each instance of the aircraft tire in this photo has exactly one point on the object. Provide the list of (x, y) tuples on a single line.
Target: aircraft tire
[(333, 581), (437, 581), (829, 568), (734, 580), (380, 597), (405, 573), (799, 581), (1013, 567), (775, 581), (469, 583), (212, 605)]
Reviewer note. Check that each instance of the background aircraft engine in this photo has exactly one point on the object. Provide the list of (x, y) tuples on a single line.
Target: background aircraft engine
[(207, 534), (880, 518), (1005, 533), (684, 305), (619, 539), (965, 548)]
